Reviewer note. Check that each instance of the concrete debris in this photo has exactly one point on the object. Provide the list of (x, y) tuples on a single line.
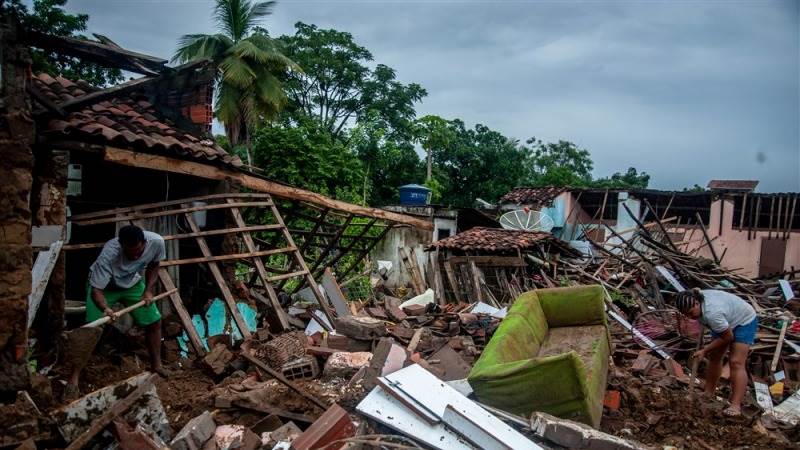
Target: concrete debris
[(286, 433), (360, 327), (574, 435), (346, 364), (236, 437), (195, 433), (218, 358)]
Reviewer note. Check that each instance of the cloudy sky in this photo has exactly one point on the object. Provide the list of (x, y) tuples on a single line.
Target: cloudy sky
[(686, 91)]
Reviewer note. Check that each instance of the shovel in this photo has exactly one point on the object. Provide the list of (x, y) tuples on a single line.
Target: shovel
[(80, 342)]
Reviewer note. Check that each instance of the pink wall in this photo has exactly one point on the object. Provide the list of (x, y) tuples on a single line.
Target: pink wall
[(741, 253)]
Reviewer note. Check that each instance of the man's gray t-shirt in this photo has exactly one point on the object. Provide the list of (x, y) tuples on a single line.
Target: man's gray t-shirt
[(723, 310), (112, 268)]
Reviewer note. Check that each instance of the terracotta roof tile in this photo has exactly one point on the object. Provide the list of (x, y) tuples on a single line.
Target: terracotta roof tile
[(542, 196), (125, 121), (494, 240)]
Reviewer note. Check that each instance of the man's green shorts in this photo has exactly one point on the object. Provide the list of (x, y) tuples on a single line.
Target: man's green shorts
[(142, 316)]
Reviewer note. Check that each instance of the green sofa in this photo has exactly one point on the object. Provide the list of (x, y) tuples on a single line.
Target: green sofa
[(549, 354)]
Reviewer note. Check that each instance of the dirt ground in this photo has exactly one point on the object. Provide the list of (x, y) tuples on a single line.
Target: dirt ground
[(661, 412)]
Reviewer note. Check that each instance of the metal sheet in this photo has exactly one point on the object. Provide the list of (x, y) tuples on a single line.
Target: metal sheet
[(472, 430), (436, 395), (384, 408), (670, 278), (763, 397), (788, 293)]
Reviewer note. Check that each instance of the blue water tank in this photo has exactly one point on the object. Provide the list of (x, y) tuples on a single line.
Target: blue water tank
[(414, 194)]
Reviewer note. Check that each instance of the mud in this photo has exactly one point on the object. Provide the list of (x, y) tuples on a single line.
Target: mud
[(78, 345), (661, 412)]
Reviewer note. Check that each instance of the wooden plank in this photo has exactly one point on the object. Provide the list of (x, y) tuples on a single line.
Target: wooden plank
[(105, 419), (476, 283), (320, 262), (365, 251), (40, 276), (312, 284), (177, 305), (165, 164), (260, 269), (743, 210), (416, 279), (412, 258), (354, 240), (286, 276), (220, 280), (205, 259), (337, 297), (777, 355), (170, 212), (171, 237), (496, 261), (451, 279), (159, 205), (789, 218), (438, 283), (705, 235)]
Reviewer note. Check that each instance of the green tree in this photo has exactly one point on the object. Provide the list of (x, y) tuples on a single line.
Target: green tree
[(632, 179), (339, 88), (307, 156), (560, 164), (48, 16), (433, 133), (479, 162), (249, 66), (388, 162)]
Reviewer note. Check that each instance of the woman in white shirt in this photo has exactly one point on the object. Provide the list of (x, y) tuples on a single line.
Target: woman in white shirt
[(733, 325)]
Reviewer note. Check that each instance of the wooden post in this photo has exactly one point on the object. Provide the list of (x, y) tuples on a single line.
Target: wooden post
[(790, 219), (260, 269), (312, 284), (705, 234), (180, 309), (742, 213), (220, 280), (777, 355)]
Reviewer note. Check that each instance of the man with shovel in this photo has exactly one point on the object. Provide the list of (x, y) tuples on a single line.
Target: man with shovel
[(116, 277)]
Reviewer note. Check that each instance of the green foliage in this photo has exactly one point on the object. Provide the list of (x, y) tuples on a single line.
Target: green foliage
[(560, 164), (308, 156), (339, 88), (479, 162), (388, 162), (695, 188), (629, 180), (49, 17), (249, 66)]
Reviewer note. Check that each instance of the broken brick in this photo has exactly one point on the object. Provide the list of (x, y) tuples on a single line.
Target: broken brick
[(333, 425), (218, 358), (612, 400)]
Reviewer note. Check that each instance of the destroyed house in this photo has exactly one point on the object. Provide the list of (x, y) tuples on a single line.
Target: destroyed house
[(94, 159), (757, 234)]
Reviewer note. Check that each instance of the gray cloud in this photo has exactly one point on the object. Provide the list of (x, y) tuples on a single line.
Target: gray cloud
[(687, 91)]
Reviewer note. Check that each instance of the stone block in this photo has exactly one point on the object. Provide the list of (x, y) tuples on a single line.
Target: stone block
[(195, 433), (346, 364)]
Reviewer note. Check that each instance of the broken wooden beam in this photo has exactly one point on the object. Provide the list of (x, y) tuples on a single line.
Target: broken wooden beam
[(166, 164)]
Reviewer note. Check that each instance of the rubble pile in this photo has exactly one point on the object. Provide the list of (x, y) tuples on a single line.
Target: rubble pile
[(399, 360)]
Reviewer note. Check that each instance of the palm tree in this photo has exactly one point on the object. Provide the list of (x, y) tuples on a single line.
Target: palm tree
[(248, 63)]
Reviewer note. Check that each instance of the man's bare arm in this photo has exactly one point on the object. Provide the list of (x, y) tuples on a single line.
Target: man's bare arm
[(150, 277)]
